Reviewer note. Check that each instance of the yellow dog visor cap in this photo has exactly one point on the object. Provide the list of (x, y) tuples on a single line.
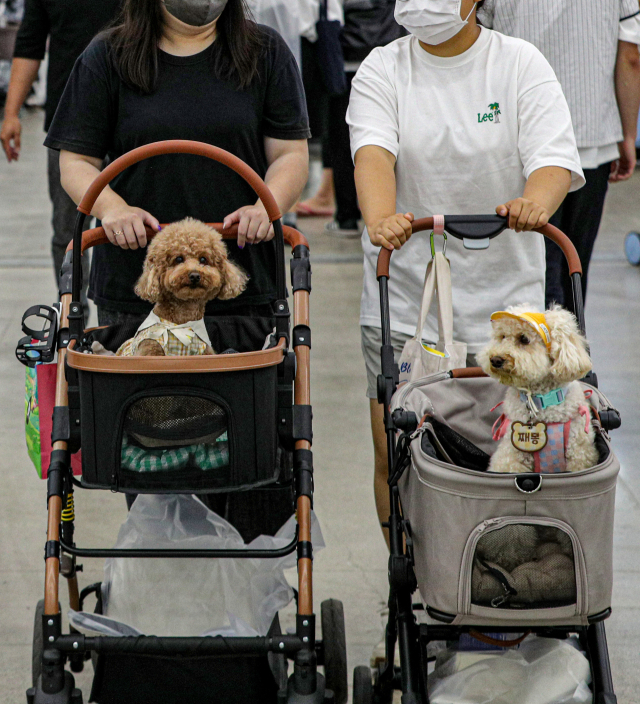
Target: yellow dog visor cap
[(536, 320)]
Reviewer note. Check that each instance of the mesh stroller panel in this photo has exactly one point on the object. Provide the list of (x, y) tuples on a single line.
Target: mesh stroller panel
[(177, 437), (524, 566), (178, 420)]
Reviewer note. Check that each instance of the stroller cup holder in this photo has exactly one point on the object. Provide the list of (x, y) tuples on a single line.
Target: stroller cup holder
[(39, 345)]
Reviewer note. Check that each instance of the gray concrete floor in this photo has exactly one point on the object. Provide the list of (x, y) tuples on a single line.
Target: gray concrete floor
[(353, 566)]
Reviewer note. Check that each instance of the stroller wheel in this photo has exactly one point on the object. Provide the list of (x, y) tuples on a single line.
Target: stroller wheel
[(38, 643), (362, 685), (335, 649), (632, 248)]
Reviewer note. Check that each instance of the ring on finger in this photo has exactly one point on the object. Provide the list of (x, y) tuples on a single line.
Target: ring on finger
[(118, 233)]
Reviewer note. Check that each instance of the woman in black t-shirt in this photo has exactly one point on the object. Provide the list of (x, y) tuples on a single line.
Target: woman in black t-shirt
[(182, 69)]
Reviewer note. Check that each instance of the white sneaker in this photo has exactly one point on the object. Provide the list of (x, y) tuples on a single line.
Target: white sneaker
[(348, 232)]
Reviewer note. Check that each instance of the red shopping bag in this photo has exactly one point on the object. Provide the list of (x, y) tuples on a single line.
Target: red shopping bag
[(40, 397)]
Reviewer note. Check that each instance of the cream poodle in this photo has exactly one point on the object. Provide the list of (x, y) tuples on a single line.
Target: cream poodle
[(545, 426)]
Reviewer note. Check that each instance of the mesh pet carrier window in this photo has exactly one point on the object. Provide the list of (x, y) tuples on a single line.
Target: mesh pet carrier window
[(524, 567), (174, 435)]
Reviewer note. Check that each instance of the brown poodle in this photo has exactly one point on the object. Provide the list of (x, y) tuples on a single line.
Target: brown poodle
[(186, 266)]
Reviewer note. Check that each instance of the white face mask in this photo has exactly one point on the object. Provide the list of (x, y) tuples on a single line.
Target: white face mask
[(432, 21)]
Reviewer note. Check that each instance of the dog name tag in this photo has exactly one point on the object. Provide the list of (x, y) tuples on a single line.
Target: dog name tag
[(529, 437)]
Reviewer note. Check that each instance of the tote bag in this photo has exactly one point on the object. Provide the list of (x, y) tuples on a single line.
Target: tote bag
[(418, 359)]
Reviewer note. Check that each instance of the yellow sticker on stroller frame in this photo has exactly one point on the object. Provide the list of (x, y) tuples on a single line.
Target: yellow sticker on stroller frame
[(529, 437)]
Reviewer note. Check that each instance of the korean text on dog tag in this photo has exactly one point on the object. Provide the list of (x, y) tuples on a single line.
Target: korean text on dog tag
[(529, 437)]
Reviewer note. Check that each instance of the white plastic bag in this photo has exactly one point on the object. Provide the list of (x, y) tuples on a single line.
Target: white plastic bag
[(188, 597), (540, 671), (418, 360)]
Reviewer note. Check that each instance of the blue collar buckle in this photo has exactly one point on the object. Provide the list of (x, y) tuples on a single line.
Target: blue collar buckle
[(542, 401)]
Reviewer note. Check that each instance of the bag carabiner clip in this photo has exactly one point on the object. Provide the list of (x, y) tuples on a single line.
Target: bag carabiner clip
[(433, 246), (438, 229)]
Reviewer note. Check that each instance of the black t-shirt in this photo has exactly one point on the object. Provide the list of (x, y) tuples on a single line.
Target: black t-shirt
[(70, 25), (100, 116)]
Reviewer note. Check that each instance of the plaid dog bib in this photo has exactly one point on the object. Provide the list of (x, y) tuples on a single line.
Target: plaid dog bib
[(176, 340)]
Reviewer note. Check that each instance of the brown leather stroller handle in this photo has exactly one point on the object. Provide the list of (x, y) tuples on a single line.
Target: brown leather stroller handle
[(549, 231), (180, 146), (96, 236)]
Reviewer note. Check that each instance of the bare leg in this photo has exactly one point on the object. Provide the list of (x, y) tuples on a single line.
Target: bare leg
[(380, 486), (324, 199)]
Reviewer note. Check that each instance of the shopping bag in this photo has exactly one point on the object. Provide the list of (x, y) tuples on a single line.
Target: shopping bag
[(419, 359), (40, 394)]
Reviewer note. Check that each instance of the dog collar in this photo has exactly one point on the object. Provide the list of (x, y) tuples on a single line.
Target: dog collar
[(542, 401), (536, 320)]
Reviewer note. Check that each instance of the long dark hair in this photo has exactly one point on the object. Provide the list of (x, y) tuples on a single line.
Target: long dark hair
[(138, 29)]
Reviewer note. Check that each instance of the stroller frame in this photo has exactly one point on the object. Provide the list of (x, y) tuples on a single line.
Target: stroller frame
[(56, 685), (402, 628)]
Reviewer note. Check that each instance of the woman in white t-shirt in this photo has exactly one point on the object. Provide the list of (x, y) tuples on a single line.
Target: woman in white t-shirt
[(454, 119)]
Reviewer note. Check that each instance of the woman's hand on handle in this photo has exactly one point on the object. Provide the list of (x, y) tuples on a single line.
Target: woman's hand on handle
[(253, 224), (376, 184), (286, 176), (125, 225), (524, 214), (544, 192), (391, 232)]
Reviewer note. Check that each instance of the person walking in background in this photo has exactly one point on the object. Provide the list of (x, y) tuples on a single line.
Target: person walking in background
[(367, 25), (68, 26), (593, 49), (322, 203)]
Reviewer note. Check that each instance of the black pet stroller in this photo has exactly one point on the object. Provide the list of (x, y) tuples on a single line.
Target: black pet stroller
[(444, 504), (261, 399)]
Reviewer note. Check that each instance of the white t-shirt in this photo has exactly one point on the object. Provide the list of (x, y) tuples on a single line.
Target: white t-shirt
[(457, 155)]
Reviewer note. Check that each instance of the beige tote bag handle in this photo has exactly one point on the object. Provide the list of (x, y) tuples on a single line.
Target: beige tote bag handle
[(438, 278)]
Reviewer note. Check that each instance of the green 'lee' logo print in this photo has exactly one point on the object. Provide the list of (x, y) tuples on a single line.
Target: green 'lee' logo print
[(493, 116)]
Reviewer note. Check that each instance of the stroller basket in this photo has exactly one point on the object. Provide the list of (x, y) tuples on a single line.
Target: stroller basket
[(489, 550), (179, 424)]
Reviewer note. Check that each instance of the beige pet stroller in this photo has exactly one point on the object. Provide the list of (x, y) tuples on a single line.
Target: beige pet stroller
[(554, 531)]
